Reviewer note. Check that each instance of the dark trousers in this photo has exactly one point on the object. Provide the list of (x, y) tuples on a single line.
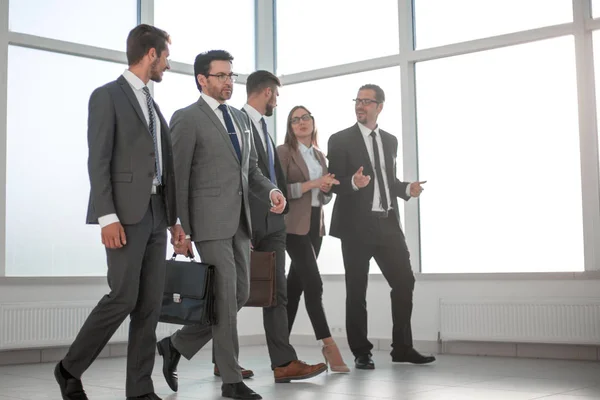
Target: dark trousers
[(136, 277), (388, 246), (304, 276), (275, 319)]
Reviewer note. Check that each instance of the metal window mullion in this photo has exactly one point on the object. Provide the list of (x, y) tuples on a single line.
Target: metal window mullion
[(588, 134), (4, 7), (408, 89)]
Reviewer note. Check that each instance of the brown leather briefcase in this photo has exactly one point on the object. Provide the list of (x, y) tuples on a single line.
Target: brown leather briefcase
[(263, 291)]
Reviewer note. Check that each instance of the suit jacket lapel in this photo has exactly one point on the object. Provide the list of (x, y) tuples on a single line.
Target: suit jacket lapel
[(260, 149), (133, 100), (362, 149), (322, 161), (218, 124), (299, 160), (388, 157)]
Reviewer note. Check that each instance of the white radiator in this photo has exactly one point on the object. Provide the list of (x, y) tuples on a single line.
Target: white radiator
[(553, 320), (35, 325)]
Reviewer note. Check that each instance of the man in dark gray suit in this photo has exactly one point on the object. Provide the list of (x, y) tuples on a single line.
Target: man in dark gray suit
[(268, 229), (216, 167), (133, 200)]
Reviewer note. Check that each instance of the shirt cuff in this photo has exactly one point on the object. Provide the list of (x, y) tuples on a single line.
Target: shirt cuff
[(354, 187), (107, 220), (296, 190), (408, 190)]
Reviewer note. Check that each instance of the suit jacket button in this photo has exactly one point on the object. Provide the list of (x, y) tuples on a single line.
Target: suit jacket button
[(150, 174), (240, 193), (152, 154)]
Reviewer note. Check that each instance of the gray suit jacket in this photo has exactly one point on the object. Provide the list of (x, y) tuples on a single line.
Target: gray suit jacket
[(212, 184), (121, 156)]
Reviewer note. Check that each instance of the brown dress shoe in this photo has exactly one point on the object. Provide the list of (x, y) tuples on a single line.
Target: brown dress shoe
[(297, 370), (246, 373)]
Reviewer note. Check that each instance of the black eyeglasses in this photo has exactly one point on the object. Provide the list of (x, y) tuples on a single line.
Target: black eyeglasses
[(224, 77), (305, 117), (365, 102)]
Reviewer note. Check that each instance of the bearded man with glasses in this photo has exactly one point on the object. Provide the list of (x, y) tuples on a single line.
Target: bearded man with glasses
[(366, 219)]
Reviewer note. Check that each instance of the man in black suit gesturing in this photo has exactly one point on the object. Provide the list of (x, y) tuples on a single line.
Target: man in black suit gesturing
[(366, 219)]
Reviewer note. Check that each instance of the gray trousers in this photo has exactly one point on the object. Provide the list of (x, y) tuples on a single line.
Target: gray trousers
[(231, 258), (136, 277)]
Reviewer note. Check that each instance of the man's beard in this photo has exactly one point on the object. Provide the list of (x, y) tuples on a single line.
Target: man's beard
[(269, 110), (154, 71)]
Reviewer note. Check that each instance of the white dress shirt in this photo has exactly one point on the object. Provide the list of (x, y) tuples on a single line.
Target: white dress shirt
[(214, 105), (255, 116), (377, 205), (137, 85), (315, 170)]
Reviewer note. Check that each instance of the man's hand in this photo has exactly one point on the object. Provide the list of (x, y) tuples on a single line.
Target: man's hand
[(326, 181), (184, 248), (278, 201), (361, 180), (416, 188), (113, 236), (177, 235)]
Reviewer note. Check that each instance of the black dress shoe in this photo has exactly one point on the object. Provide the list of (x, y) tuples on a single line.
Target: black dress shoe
[(170, 360), (364, 361), (70, 388), (149, 396), (238, 391), (412, 356)]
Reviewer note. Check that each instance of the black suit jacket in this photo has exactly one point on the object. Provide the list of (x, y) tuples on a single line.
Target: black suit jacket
[(264, 222), (352, 209), (121, 156)]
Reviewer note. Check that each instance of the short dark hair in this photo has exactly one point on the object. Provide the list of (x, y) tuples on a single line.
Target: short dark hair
[(142, 38), (259, 80), (203, 60), (379, 94)]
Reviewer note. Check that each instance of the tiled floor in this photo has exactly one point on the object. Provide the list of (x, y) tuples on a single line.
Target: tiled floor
[(450, 378)]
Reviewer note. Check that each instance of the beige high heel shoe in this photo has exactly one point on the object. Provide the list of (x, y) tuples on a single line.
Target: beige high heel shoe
[(333, 358)]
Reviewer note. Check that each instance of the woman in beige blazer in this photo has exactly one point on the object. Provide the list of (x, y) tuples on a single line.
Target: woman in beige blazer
[(309, 188)]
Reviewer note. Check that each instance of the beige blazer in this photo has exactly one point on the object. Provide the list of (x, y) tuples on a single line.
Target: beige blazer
[(297, 220)]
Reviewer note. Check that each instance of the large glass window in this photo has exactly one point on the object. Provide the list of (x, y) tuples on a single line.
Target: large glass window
[(499, 145), (314, 34), (200, 25), (103, 23), (330, 102), (47, 184), (596, 39), (596, 8), (441, 22)]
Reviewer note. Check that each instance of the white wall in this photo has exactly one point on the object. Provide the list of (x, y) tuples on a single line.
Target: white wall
[(425, 315)]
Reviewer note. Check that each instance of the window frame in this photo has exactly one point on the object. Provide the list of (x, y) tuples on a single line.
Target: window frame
[(266, 56)]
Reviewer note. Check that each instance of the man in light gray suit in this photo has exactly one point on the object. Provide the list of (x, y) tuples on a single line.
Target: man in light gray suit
[(216, 167), (133, 200)]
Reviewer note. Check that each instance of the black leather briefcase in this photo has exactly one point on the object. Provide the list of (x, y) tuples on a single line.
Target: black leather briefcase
[(189, 297)]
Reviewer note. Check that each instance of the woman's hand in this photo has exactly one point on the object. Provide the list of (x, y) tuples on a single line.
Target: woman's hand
[(326, 182)]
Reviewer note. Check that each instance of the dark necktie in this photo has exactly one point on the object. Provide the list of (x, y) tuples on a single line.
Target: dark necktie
[(269, 152), (231, 130), (379, 173), (152, 128)]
